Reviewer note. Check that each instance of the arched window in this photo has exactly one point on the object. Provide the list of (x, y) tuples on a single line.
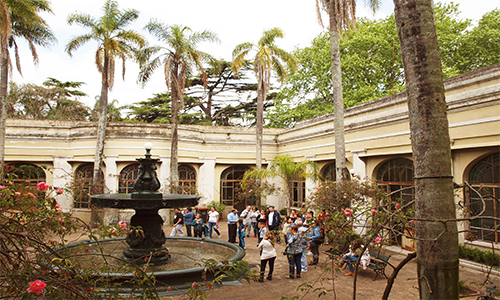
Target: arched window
[(397, 175), (128, 175), (187, 176), (329, 172), (231, 182), (26, 174), (82, 186), (485, 180)]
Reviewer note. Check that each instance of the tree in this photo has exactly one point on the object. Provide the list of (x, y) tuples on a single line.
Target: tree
[(157, 109), (286, 168), (268, 59), (19, 19), (435, 226), (113, 112), (30, 101), (371, 65), (221, 96), (481, 45), (114, 41), (179, 56), (342, 16)]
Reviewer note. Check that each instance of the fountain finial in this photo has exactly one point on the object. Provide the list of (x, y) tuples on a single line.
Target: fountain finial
[(147, 184)]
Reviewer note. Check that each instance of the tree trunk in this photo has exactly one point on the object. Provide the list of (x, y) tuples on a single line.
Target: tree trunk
[(261, 94), (3, 104), (437, 241), (174, 158), (338, 97), (101, 136)]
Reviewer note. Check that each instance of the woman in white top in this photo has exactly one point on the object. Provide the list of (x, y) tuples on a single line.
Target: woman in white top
[(213, 221), (268, 254)]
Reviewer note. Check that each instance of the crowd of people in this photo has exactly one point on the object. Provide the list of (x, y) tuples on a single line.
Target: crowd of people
[(299, 232)]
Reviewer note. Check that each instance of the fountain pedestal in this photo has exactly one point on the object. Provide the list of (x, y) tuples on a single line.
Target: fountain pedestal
[(146, 239)]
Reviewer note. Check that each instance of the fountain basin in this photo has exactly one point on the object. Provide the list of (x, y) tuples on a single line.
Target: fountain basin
[(125, 201), (171, 274)]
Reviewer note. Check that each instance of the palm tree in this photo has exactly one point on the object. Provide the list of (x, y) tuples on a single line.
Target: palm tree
[(179, 56), (435, 226), (114, 41), (268, 58), (342, 15), (19, 19), (284, 167)]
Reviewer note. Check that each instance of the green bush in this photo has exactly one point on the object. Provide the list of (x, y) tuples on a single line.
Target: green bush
[(480, 256)]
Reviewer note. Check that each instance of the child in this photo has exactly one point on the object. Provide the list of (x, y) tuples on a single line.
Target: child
[(267, 254), (198, 226), (262, 230), (241, 233)]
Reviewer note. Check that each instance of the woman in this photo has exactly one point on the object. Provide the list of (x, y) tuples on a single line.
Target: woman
[(197, 226), (213, 221), (267, 255), (294, 252), (351, 258), (254, 216), (316, 238)]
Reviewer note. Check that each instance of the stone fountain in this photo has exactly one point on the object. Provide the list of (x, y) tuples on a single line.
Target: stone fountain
[(149, 239), (175, 267)]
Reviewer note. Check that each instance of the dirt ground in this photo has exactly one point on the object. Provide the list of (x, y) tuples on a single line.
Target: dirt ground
[(405, 286)]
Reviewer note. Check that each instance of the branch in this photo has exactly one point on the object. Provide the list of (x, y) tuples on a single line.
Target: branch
[(390, 280)]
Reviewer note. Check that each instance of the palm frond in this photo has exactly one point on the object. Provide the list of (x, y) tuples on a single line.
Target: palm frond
[(77, 42)]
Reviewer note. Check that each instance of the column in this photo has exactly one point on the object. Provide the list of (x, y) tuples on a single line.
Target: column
[(164, 172), (62, 177), (206, 179), (310, 183), (111, 174), (358, 165)]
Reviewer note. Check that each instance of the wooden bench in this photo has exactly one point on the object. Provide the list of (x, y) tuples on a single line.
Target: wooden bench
[(378, 262)]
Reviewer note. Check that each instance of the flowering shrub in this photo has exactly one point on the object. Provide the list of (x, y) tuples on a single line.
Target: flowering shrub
[(35, 260), (360, 212), (253, 190)]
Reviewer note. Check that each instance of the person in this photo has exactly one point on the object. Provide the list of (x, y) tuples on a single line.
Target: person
[(232, 220), (178, 221), (188, 220), (262, 216), (365, 258), (246, 214), (294, 215), (273, 219), (303, 230), (350, 258), (287, 221), (316, 238), (241, 233), (262, 229), (294, 252), (213, 221), (198, 226), (254, 215), (267, 255)]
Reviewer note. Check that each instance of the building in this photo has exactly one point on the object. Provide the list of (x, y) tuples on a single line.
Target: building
[(214, 159)]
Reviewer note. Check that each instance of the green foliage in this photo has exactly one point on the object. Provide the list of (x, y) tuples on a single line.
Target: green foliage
[(114, 112), (371, 63), (480, 46), (49, 102), (253, 189), (219, 206), (478, 255)]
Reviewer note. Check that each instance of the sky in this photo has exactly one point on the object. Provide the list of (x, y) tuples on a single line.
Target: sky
[(233, 21)]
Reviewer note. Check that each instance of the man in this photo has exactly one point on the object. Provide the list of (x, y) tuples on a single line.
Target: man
[(273, 219), (247, 219), (273, 222), (188, 220), (178, 222), (232, 221)]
